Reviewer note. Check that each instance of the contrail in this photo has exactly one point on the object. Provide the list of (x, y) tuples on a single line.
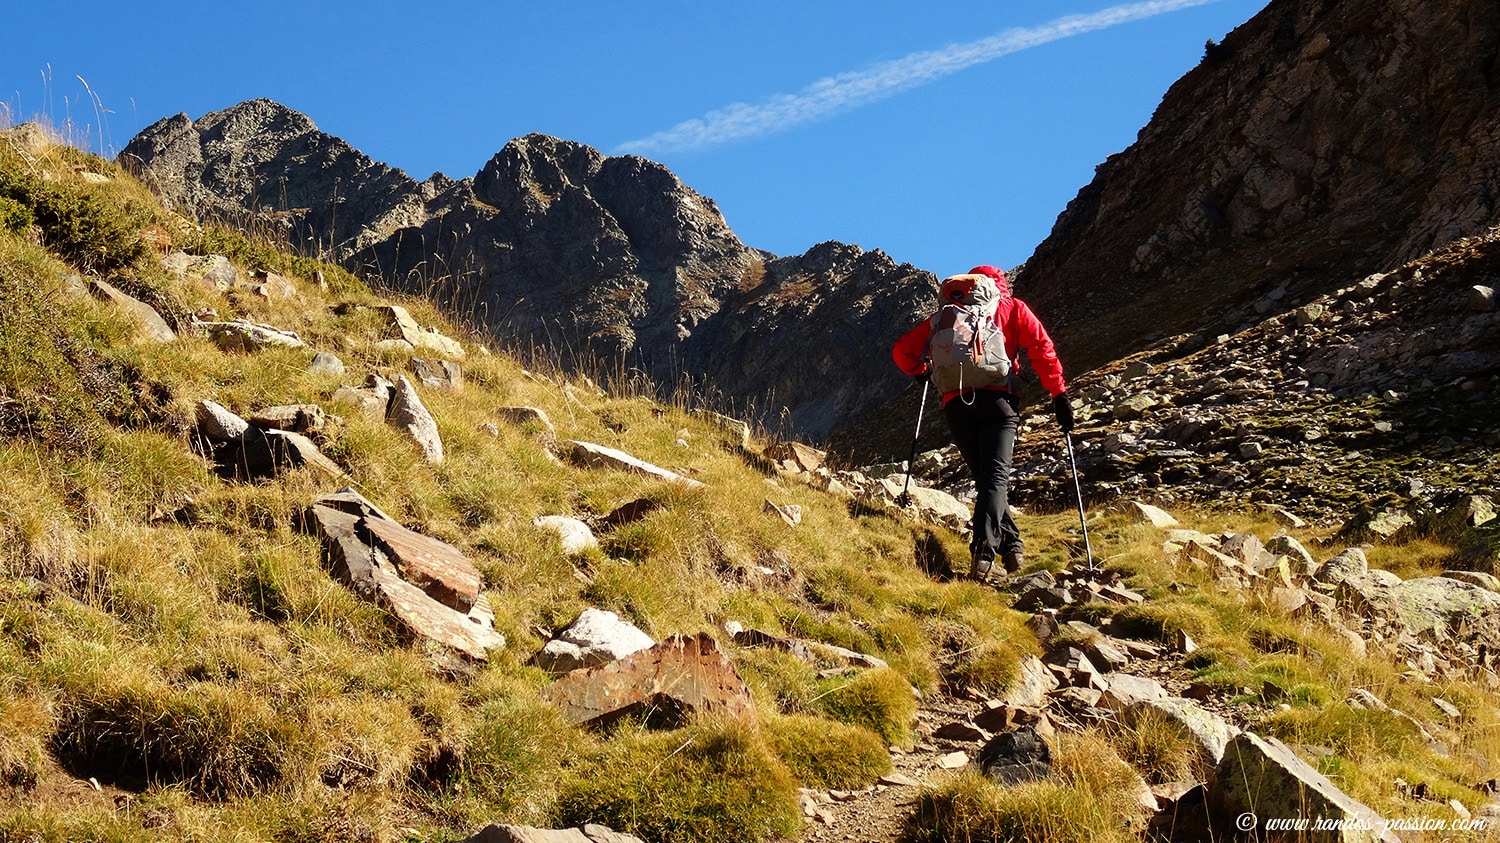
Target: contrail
[(846, 91)]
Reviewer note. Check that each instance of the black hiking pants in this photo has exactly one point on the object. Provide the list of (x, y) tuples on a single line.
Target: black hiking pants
[(984, 424)]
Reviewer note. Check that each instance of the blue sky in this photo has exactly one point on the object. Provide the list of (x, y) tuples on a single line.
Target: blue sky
[(945, 133)]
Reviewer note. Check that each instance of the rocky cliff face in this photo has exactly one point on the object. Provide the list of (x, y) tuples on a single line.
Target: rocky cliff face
[(600, 259), (1322, 140)]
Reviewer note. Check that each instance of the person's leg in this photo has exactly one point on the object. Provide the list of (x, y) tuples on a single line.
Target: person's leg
[(984, 428), (1012, 547)]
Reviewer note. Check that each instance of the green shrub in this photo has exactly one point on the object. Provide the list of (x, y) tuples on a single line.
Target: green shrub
[(823, 754), (878, 700), (709, 783), (95, 231), (14, 217)]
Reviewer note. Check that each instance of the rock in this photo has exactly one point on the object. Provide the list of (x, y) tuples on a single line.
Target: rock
[(373, 399), (1208, 730), (408, 415), (1263, 777), (899, 780), (1351, 564), (245, 336), (1126, 689), (524, 416), (953, 760), (739, 431), (296, 418), (1386, 526), (629, 513), (960, 731), (144, 315), (439, 374), (790, 513), (1247, 549), (417, 336), (218, 424), (261, 452), (1481, 299), (1488, 582), (370, 553), (1016, 757), (1032, 684), (599, 456), (596, 637), (1284, 518), (214, 273), (1178, 539), (1309, 314), (1468, 512), (325, 363), (1449, 710), (1184, 643), (1144, 513), (575, 536), (1252, 450), (1133, 407), (934, 505), (795, 457), (525, 834), (269, 285), (682, 677), (811, 652), (1303, 562), (1444, 609)]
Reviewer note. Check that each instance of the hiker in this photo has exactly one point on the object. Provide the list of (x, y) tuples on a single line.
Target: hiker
[(984, 411)]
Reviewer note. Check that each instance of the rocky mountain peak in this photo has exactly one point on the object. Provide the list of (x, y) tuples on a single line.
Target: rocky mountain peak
[(1323, 139), (612, 260)]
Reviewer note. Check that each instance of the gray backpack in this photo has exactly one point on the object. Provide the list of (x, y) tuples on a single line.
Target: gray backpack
[(965, 347)]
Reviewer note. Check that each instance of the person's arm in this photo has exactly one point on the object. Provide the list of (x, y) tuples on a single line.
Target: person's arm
[(910, 351), (1033, 337)]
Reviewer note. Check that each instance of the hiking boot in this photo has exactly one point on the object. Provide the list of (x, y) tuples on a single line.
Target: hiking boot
[(981, 564), (1013, 559)]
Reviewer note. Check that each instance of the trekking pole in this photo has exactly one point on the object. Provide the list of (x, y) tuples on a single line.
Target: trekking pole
[(904, 499), (1088, 549)]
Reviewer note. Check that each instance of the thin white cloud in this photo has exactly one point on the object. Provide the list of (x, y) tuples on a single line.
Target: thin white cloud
[(846, 91)]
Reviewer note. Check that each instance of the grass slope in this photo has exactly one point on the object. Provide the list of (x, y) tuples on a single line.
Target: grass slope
[(171, 636)]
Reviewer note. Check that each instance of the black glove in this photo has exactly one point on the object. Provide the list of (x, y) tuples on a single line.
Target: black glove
[(923, 377), (1064, 410)]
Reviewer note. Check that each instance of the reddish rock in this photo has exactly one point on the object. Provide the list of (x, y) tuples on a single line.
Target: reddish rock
[(369, 553), (436, 567), (677, 678)]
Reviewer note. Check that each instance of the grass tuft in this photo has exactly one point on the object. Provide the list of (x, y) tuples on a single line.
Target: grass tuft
[(709, 783)]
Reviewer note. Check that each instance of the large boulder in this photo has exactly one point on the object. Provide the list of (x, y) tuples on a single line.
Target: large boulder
[(1260, 780), (1441, 608)]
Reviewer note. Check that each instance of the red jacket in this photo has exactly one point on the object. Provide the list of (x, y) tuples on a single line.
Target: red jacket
[(1022, 330)]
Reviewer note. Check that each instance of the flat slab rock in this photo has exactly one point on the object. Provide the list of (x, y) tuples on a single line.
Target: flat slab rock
[(600, 456), (668, 683), (429, 586)]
